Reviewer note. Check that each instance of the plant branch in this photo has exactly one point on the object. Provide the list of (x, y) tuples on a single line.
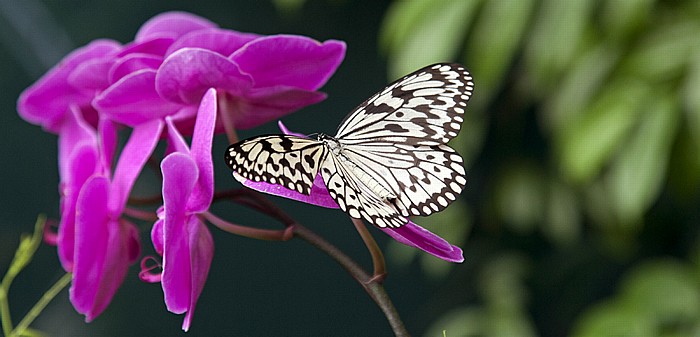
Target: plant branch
[(371, 283), (41, 304), (249, 232), (373, 287), (376, 253)]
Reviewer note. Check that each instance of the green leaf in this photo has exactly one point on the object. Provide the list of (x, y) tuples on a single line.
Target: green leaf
[(494, 41), (520, 198), (637, 174), (556, 37), (586, 143), (399, 21), (562, 222), (433, 36), (665, 290), (664, 54), (622, 18), (612, 319), (579, 85)]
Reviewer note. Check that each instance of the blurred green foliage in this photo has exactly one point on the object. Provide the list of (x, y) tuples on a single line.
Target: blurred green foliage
[(583, 151)]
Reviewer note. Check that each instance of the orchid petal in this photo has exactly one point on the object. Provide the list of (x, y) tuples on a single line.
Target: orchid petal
[(201, 253), (47, 100), (176, 143), (179, 178), (92, 239), (157, 236), (154, 46), (318, 196), (267, 104), (290, 60), (132, 63), (73, 132), (82, 165), (201, 153), (91, 76), (186, 74), (133, 100), (416, 236), (286, 131), (140, 146), (174, 24), (107, 133), (222, 41)]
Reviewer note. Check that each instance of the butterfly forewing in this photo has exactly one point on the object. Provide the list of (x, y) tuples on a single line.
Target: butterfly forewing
[(423, 108), (290, 161)]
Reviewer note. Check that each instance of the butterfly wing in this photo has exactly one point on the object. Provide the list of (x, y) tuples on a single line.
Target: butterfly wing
[(424, 179), (397, 138), (290, 161), (422, 108), (355, 198)]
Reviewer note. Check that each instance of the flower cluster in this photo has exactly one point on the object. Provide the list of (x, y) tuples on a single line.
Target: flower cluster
[(182, 75)]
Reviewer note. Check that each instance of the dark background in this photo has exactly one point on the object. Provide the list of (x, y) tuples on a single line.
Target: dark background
[(582, 141)]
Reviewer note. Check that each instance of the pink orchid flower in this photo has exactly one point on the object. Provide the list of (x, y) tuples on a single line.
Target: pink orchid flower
[(179, 235)]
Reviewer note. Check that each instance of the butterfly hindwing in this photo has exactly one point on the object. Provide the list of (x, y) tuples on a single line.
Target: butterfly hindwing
[(424, 179), (290, 161), (355, 198)]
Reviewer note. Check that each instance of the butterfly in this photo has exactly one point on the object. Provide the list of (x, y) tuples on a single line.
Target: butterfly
[(387, 161)]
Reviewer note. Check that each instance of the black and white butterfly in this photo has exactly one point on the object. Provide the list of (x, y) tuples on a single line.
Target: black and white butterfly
[(388, 160)]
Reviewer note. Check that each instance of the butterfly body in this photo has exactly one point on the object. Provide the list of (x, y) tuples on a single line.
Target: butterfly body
[(389, 159)]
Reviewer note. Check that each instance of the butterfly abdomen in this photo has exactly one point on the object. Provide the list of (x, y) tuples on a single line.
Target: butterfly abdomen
[(362, 176)]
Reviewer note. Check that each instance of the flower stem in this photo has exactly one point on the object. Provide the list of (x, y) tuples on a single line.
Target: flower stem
[(41, 304), (373, 287), (377, 256), (249, 232)]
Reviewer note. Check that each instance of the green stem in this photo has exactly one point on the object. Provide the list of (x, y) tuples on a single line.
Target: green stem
[(41, 304), (23, 255)]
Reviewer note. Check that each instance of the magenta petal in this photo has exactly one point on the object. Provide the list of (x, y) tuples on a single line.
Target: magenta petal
[(201, 153), (267, 104), (201, 253), (174, 24), (176, 143), (140, 146), (295, 61), (416, 236), (47, 100), (91, 76), (73, 132), (133, 100), (217, 40), (319, 195), (132, 63), (186, 74), (179, 177), (107, 133), (155, 46), (286, 131), (157, 236), (92, 239)]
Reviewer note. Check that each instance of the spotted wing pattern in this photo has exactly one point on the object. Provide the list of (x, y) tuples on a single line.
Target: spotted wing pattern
[(422, 108), (389, 159), (396, 139), (290, 161)]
